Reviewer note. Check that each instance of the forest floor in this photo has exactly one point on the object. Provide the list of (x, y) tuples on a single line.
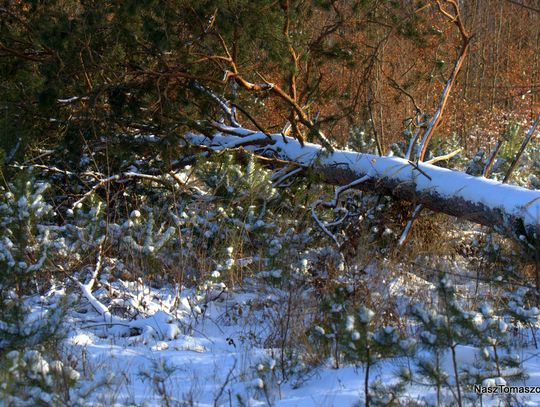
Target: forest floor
[(209, 350)]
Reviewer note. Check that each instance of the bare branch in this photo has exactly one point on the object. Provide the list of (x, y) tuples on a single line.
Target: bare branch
[(419, 127), (86, 289), (417, 209), (251, 119), (465, 41), (444, 157), (521, 149), (489, 164), (282, 176), (333, 203), (222, 103), (524, 5)]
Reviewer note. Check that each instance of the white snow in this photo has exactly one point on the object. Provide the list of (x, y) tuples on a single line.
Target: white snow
[(211, 359)]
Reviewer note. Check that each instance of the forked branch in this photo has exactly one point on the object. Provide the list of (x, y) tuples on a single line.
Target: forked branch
[(333, 204), (465, 42)]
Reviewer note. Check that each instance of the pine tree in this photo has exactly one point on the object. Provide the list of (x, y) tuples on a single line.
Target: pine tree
[(447, 326), (354, 338), (443, 328)]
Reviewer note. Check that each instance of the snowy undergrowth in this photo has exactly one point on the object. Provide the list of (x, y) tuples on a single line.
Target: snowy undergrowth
[(189, 350), (222, 292)]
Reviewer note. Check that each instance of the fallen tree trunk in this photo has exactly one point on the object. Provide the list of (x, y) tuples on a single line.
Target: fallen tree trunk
[(508, 209)]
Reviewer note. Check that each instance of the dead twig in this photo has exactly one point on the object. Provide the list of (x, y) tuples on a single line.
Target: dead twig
[(521, 150), (421, 171), (417, 209), (444, 157), (332, 204)]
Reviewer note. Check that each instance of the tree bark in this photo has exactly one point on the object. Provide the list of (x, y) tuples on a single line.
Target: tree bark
[(510, 210)]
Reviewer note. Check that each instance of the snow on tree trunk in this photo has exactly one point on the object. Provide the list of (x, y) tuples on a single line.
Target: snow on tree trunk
[(509, 209)]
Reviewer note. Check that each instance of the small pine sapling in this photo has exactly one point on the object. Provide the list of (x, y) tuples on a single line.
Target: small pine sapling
[(443, 328)]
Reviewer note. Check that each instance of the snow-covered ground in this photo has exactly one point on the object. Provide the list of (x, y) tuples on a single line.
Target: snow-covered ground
[(191, 348)]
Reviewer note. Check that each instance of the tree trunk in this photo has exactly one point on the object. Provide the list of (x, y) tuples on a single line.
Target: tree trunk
[(510, 210)]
